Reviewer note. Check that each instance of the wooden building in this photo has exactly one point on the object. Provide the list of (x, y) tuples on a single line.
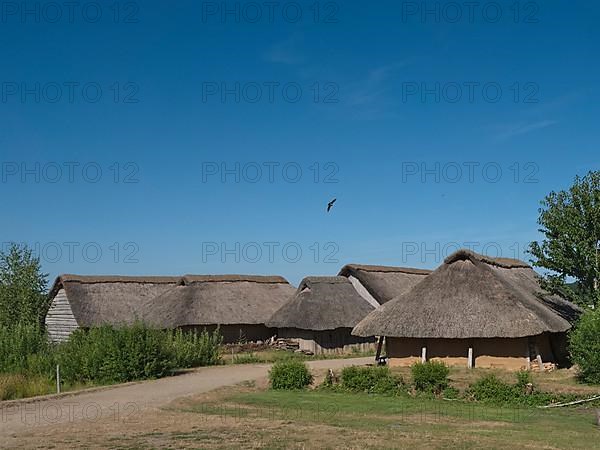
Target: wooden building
[(382, 283), (238, 304), (475, 311), (86, 301), (321, 315)]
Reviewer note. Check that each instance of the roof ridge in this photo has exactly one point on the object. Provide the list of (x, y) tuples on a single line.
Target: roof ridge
[(507, 263), (232, 278), (379, 268)]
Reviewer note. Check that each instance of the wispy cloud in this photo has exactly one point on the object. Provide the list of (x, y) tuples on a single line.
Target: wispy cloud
[(521, 128), (370, 97)]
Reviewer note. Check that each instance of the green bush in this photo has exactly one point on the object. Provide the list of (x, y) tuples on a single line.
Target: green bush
[(491, 389), (374, 380), (584, 346), (108, 354), (523, 379), (193, 349), (25, 349), (430, 376), (290, 375), (451, 393)]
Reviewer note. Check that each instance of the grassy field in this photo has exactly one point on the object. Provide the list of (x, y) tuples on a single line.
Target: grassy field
[(321, 419), (251, 415)]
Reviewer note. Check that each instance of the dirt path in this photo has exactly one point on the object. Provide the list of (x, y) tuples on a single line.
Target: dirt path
[(124, 402)]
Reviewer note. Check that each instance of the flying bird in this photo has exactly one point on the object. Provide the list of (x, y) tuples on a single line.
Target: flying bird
[(330, 204)]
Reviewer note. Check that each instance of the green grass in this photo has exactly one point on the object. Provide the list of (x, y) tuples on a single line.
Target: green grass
[(470, 424)]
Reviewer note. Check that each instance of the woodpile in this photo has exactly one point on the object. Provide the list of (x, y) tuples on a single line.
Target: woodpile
[(286, 344), (289, 345), (548, 367)]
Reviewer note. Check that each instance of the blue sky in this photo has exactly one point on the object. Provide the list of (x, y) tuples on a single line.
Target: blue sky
[(432, 130)]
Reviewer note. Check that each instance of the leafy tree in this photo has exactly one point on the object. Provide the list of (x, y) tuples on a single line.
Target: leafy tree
[(584, 345), (570, 221), (23, 298)]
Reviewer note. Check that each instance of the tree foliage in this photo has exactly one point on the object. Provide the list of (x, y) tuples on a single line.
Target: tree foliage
[(23, 297), (584, 346), (570, 222)]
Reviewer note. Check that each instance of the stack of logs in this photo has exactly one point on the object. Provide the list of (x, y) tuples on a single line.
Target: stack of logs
[(548, 367), (289, 345)]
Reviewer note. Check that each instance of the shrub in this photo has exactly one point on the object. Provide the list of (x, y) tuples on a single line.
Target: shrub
[(584, 346), (450, 393), (430, 376), (374, 380), (290, 375), (25, 349), (523, 379), (491, 389), (108, 354), (193, 349)]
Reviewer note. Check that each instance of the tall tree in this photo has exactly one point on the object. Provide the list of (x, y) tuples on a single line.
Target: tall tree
[(23, 297), (570, 221)]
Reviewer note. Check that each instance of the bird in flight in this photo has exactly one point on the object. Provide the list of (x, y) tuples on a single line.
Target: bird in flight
[(330, 204)]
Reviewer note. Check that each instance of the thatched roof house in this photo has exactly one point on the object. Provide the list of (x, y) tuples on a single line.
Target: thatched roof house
[(476, 311), (85, 301), (239, 304), (321, 315), (382, 283)]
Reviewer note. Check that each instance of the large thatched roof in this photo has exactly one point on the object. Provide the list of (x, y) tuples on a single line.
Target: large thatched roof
[(218, 300), (322, 303), (97, 300), (384, 282), (472, 296)]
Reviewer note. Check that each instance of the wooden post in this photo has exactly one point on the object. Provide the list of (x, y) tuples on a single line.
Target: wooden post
[(57, 379), (423, 354), (598, 417), (538, 357), (470, 363), (379, 347)]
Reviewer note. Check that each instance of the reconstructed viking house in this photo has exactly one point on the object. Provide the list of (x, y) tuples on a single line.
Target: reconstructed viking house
[(239, 304), (86, 301), (382, 283), (474, 311), (321, 315)]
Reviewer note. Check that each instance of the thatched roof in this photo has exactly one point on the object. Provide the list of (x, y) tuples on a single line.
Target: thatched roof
[(322, 303), (384, 282), (472, 296), (97, 300), (218, 300)]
